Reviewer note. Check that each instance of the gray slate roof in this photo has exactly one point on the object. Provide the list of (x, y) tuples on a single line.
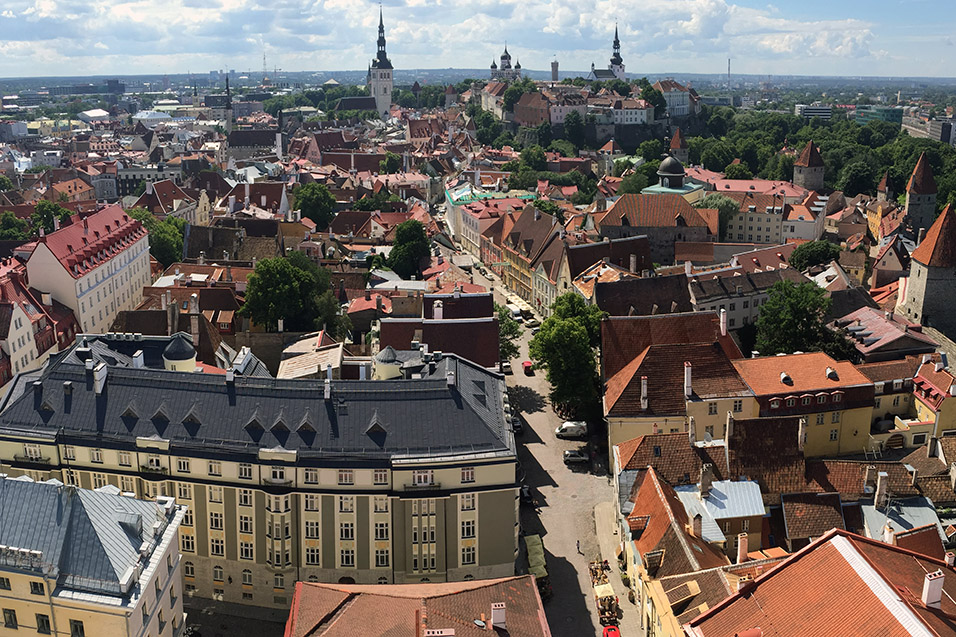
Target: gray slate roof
[(212, 416), (89, 539)]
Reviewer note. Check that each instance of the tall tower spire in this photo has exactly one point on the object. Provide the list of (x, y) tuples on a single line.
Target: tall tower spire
[(380, 72)]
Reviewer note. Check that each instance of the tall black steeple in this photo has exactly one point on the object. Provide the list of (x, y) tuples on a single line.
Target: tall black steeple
[(381, 60), (616, 58)]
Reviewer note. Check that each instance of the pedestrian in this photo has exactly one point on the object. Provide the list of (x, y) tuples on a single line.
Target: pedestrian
[(579, 547)]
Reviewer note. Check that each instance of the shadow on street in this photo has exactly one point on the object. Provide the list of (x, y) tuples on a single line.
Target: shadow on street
[(567, 611), (526, 399)]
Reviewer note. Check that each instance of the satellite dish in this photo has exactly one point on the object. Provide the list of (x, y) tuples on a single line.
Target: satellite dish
[(708, 437), (479, 623)]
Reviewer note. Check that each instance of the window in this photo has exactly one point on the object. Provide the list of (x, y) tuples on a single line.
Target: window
[(821, 399), (312, 556), (215, 520), (279, 580), (745, 525), (124, 459), (896, 401), (245, 471), (836, 417), (9, 618), (805, 400), (245, 497), (791, 402), (278, 474), (834, 435), (711, 409), (246, 551), (312, 529), (738, 406), (919, 439), (381, 530), (185, 491), (381, 558), (189, 569), (380, 476), (348, 557), (76, 628), (346, 531), (837, 397), (468, 474), (467, 555), (182, 465), (311, 476), (381, 504), (245, 524), (188, 517), (215, 468), (876, 403), (346, 504), (189, 543), (217, 573), (215, 494), (774, 404), (43, 624), (467, 501), (69, 452), (4, 583), (311, 502), (247, 577), (467, 528), (36, 588), (423, 477), (346, 476), (96, 455), (217, 547)]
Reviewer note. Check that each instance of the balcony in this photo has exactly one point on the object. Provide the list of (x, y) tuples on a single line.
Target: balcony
[(145, 468), (279, 482), (31, 459)]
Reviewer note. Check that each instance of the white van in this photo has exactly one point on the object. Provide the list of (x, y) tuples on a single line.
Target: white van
[(572, 429)]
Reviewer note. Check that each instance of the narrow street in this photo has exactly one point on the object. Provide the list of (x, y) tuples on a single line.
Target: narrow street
[(564, 510)]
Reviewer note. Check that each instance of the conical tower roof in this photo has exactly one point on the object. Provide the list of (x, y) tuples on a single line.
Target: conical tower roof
[(922, 181), (938, 249), (810, 157)]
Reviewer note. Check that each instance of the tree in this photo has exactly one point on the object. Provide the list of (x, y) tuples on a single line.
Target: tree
[(717, 155), (391, 164), (792, 319), (509, 331), (165, 237), (651, 149), (726, 208), (813, 253), (545, 134), (533, 157), (573, 307), (633, 183), (5, 183), (550, 208), (737, 171), (45, 212), (621, 165), (856, 178), (562, 348), (512, 94), (656, 98), (377, 201), (12, 228), (574, 128), (286, 288), (410, 248), (564, 147), (317, 203)]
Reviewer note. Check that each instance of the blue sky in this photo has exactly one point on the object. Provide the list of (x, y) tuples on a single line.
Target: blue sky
[(811, 37)]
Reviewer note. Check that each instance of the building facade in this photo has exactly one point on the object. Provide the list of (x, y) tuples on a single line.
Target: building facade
[(379, 80), (285, 480), (504, 72)]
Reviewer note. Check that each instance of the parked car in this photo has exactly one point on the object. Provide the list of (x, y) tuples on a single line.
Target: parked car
[(528, 369), (516, 425), (535, 330), (575, 456), (611, 631), (505, 367), (572, 429), (532, 323), (526, 496)]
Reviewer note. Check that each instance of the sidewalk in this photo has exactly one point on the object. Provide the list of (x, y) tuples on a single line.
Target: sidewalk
[(609, 540)]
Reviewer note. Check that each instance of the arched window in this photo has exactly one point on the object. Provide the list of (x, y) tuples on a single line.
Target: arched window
[(247, 577), (279, 580), (313, 578), (189, 570), (217, 573)]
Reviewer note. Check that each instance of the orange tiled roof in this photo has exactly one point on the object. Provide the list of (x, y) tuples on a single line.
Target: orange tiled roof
[(807, 372), (938, 248), (921, 182)]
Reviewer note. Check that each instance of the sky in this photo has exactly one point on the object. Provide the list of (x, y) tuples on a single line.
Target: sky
[(810, 37)]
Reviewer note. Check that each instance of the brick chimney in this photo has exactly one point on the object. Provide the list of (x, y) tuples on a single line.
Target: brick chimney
[(743, 546), (688, 387), (644, 393), (706, 479), (932, 595)]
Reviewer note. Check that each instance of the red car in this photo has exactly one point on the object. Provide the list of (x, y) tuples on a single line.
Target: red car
[(611, 631), (526, 366)]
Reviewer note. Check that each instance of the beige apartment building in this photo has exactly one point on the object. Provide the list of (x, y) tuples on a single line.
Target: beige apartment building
[(364, 481)]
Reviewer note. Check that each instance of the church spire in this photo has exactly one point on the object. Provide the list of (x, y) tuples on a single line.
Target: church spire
[(381, 58), (616, 58)]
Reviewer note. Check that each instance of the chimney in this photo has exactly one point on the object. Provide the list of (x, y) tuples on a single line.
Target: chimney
[(328, 389), (281, 325), (888, 537), (802, 434), (915, 474), (437, 311), (950, 558), (933, 589), (232, 204), (706, 479), (688, 269), (162, 298), (882, 478), (920, 236), (692, 430), (149, 187), (247, 194), (99, 378), (498, 616), (450, 379), (698, 525), (138, 359), (537, 214), (194, 328), (688, 388), (633, 264), (228, 273), (743, 542), (868, 477), (368, 294), (644, 393), (194, 303), (723, 322), (378, 303), (729, 427)]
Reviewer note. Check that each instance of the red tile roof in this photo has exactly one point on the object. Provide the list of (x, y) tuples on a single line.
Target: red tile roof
[(841, 584), (924, 540), (652, 211), (807, 373), (678, 141), (809, 515), (938, 248), (921, 181), (90, 242), (672, 456), (810, 157)]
